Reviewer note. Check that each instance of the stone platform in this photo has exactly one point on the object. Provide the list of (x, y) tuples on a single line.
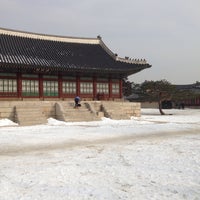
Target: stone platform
[(37, 112)]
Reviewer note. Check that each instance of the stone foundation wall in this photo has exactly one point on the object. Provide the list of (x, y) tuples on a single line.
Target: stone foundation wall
[(36, 112)]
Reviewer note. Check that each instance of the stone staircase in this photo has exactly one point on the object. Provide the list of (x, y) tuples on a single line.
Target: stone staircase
[(27, 112), (65, 111), (29, 115)]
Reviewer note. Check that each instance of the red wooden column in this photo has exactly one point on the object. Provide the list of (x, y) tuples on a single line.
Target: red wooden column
[(60, 93), (19, 85), (120, 88), (198, 101), (78, 85), (94, 87), (40, 86), (110, 88)]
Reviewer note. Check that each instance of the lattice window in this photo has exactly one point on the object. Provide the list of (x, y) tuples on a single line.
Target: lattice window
[(86, 88), (8, 85), (30, 88), (50, 88), (102, 88), (115, 88), (69, 87)]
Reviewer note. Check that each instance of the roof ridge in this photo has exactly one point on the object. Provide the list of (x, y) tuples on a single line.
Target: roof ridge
[(117, 58), (50, 37), (103, 45), (132, 61)]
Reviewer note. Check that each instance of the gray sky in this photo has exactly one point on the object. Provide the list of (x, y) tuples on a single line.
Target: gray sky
[(165, 33)]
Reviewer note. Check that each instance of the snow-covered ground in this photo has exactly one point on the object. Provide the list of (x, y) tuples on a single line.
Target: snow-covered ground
[(151, 157)]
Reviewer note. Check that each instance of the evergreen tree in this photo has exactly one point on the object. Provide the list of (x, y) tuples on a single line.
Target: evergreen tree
[(158, 91)]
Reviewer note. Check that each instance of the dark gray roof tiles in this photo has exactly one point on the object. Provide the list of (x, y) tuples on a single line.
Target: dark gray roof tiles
[(33, 51)]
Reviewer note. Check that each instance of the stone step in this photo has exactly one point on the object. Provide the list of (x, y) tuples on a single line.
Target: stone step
[(31, 122), (26, 115), (81, 113)]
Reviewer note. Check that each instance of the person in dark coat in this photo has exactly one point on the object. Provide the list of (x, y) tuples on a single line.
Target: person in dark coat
[(77, 101)]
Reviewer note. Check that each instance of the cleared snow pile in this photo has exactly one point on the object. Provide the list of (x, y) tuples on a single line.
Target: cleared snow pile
[(7, 122)]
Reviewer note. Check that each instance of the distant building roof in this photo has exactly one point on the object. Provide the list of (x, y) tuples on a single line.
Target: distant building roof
[(193, 87), (24, 50)]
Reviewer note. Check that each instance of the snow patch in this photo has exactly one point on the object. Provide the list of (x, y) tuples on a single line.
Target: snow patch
[(7, 122)]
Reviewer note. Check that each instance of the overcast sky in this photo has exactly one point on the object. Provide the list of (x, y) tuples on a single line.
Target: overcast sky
[(165, 33)]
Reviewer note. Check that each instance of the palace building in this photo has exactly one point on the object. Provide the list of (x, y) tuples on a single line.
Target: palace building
[(45, 66)]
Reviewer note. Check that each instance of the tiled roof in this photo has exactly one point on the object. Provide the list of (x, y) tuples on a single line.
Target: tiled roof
[(30, 50), (192, 87)]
